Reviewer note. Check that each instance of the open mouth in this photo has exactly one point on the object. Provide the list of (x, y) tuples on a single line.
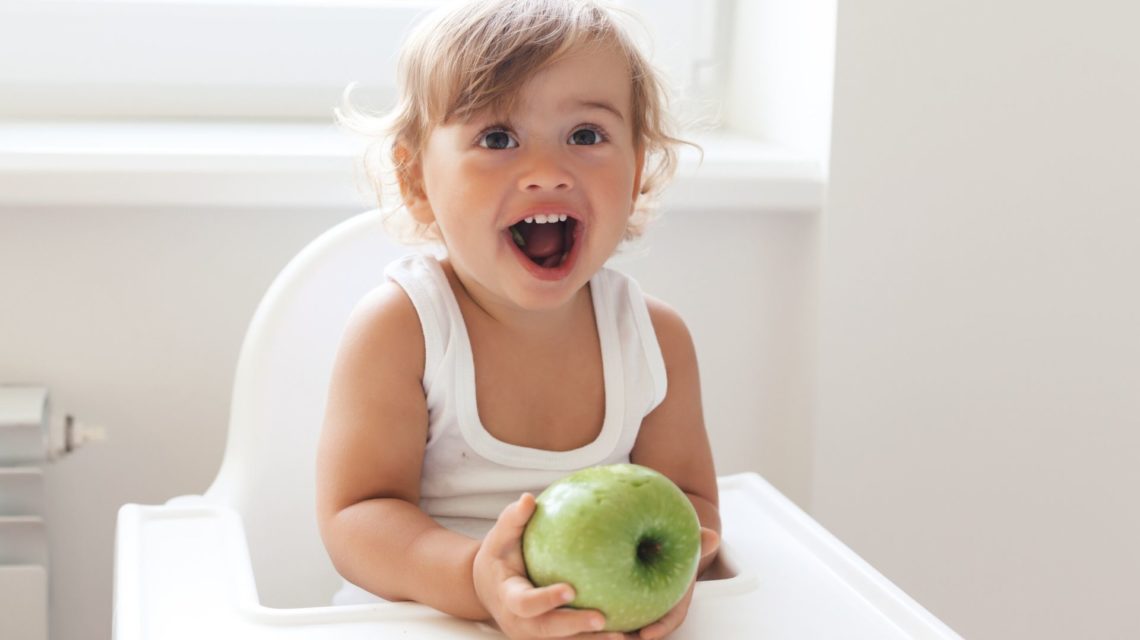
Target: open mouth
[(546, 239)]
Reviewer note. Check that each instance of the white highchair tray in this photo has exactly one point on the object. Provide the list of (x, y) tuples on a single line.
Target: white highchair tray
[(183, 571)]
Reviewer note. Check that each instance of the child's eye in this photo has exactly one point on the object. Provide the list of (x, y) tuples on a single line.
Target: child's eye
[(497, 139), (586, 135)]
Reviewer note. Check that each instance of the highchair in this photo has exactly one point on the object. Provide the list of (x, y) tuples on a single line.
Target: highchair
[(244, 560)]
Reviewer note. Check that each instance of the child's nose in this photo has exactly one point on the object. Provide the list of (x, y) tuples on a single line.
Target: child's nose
[(545, 173)]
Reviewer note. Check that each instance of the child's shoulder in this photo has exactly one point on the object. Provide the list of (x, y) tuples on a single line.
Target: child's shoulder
[(384, 325), (672, 332), (390, 306), (388, 301), (663, 314)]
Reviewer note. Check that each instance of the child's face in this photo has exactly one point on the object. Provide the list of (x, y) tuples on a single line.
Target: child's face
[(566, 149)]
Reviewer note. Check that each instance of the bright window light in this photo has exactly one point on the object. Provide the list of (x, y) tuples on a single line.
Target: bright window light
[(261, 59)]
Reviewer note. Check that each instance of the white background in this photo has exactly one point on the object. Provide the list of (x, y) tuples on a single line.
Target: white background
[(136, 241), (978, 432), (941, 364)]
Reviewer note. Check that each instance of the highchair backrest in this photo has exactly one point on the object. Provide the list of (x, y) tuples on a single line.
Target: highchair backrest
[(278, 404)]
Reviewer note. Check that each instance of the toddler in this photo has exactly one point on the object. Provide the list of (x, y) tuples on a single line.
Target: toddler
[(528, 141)]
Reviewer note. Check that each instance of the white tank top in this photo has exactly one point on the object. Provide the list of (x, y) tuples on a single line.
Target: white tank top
[(468, 475)]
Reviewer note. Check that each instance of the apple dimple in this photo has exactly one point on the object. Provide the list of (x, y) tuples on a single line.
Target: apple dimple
[(648, 550)]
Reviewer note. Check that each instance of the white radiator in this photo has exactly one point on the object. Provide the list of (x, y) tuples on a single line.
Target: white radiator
[(24, 448)]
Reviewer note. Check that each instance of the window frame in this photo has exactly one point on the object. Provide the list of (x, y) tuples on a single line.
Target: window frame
[(144, 59), (79, 140)]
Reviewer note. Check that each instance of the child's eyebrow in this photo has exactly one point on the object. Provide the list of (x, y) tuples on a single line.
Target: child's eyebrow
[(601, 104)]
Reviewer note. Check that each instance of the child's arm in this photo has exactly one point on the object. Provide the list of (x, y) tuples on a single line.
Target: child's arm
[(673, 440), (368, 487), (368, 466)]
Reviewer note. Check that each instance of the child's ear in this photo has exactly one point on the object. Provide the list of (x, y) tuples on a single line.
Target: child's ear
[(409, 174)]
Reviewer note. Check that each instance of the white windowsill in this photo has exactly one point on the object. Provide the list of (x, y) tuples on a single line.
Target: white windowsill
[(286, 165)]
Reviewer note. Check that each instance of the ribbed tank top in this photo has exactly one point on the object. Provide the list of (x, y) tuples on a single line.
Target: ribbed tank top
[(468, 475)]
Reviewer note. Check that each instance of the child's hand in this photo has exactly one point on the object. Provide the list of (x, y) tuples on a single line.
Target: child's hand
[(710, 542), (520, 609)]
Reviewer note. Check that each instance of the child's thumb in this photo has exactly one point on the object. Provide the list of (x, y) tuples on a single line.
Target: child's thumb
[(710, 542), (512, 521)]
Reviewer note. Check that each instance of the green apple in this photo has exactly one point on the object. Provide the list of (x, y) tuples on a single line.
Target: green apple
[(624, 536)]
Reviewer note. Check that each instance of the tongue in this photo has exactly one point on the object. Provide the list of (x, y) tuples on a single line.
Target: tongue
[(542, 240)]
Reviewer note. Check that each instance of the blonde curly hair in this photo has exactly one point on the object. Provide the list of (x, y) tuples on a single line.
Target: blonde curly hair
[(475, 56)]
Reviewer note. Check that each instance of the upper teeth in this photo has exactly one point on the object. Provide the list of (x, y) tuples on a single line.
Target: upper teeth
[(543, 218)]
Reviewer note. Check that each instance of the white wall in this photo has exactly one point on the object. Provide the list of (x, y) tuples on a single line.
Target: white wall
[(745, 284), (978, 436), (133, 320)]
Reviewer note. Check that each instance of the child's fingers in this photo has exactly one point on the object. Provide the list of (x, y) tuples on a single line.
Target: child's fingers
[(656, 630), (561, 623), (660, 628), (526, 601), (504, 536), (670, 621)]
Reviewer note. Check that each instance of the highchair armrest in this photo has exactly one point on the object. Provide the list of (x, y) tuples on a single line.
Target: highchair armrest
[(183, 570), (808, 583)]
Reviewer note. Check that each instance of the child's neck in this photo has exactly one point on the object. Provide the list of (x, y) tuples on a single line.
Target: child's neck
[(542, 325)]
